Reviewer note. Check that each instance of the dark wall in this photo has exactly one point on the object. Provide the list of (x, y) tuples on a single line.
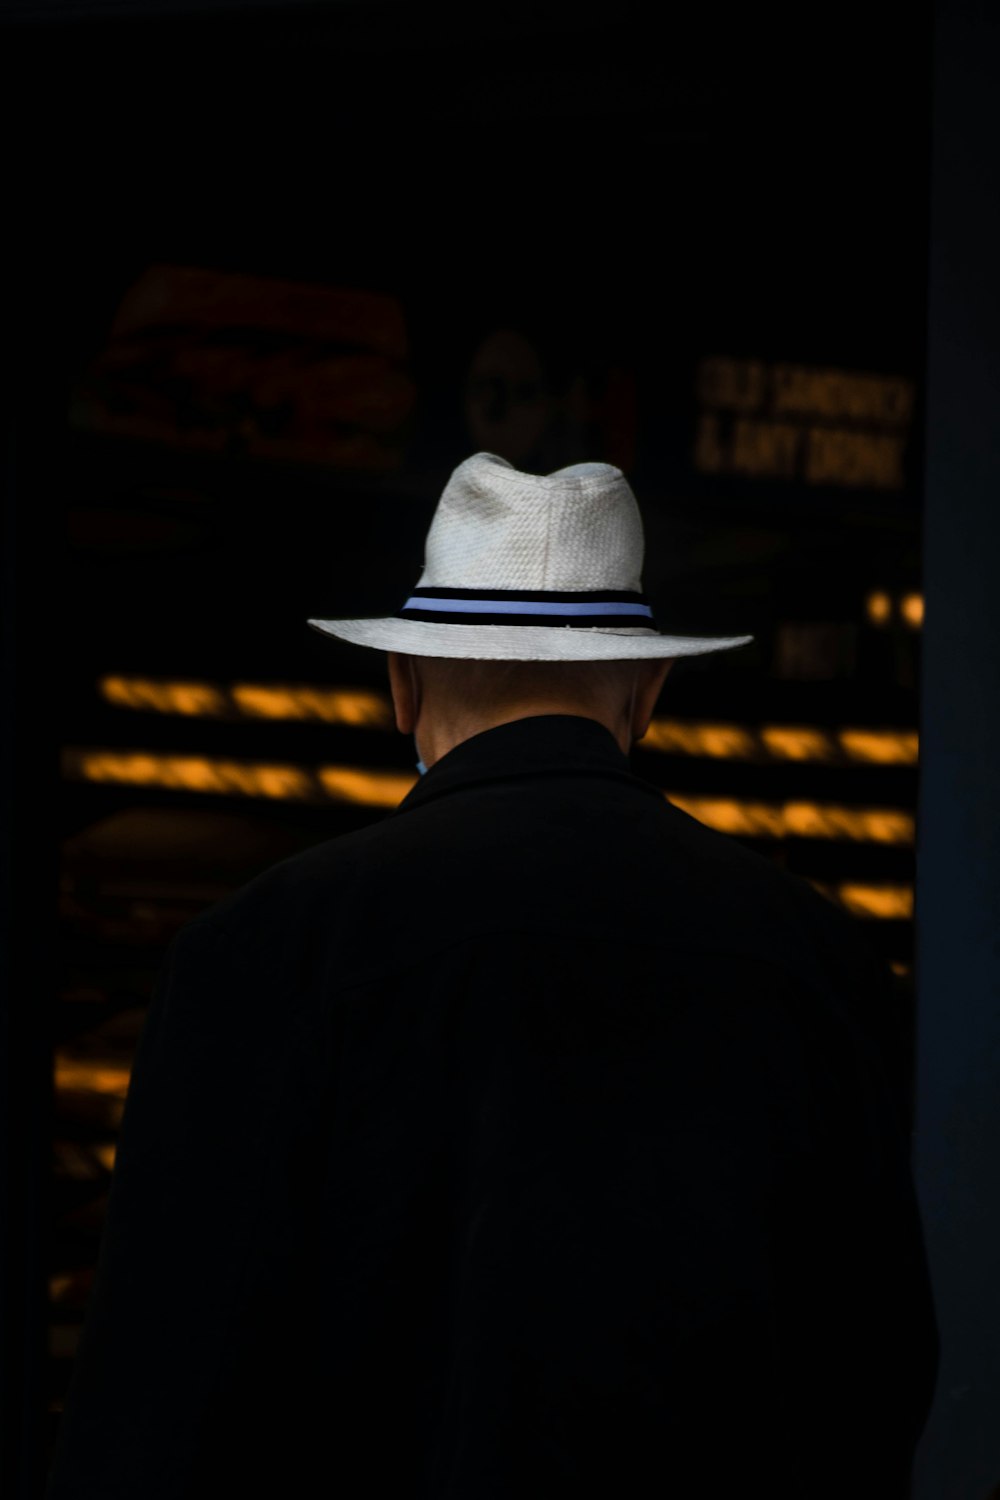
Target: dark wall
[(958, 829)]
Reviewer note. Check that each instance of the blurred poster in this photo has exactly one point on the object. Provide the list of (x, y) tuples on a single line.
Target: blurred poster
[(218, 361)]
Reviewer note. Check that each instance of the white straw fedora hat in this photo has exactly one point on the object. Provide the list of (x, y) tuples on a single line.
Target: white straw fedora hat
[(530, 567)]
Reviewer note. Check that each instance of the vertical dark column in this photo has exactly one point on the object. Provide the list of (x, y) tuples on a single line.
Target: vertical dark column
[(957, 1142), (29, 543)]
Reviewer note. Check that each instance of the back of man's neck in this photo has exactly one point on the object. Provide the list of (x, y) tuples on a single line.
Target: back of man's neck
[(438, 738)]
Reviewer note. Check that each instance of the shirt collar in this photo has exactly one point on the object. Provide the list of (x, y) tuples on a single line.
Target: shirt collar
[(544, 743)]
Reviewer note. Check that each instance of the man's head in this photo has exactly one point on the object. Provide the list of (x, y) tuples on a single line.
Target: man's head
[(442, 701)]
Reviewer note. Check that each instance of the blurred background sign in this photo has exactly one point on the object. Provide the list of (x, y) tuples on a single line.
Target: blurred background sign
[(218, 362), (779, 421)]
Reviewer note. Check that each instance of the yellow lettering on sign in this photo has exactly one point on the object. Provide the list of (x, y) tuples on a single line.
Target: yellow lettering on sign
[(839, 395), (836, 455), (788, 421), (732, 384)]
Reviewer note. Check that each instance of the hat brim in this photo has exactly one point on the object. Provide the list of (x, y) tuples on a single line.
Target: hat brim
[(522, 642)]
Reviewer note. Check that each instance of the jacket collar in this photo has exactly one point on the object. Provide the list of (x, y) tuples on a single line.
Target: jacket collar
[(543, 744)]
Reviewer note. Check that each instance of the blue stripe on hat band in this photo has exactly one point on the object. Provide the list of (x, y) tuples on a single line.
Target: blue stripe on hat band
[(524, 607)]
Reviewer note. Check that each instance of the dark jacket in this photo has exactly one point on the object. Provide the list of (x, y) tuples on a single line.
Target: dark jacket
[(533, 1142)]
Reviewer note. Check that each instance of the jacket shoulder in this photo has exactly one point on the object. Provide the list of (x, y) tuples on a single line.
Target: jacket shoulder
[(313, 881)]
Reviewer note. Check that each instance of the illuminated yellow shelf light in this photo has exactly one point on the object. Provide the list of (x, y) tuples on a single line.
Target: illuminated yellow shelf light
[(378, 788), (233, 778), (359, 708)]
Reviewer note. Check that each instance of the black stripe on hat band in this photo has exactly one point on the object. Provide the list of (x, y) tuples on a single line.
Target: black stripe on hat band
[(480, 617), (530, 596)]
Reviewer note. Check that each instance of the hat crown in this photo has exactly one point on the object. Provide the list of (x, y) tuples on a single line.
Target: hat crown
[(494, 527)]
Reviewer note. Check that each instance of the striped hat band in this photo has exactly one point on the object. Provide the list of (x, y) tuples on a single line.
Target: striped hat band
[(528, 607)]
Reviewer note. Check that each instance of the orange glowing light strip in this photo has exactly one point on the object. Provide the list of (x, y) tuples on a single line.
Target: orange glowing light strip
[(889, 902), (805, 743), (378, 788), (250, 700), (894, 902), (365, 709), (227, 778), (809, 820), (91, 1077), (880, 607)]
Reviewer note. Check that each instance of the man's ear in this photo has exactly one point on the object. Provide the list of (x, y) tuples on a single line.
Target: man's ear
[(402, 687), (652, 676)]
